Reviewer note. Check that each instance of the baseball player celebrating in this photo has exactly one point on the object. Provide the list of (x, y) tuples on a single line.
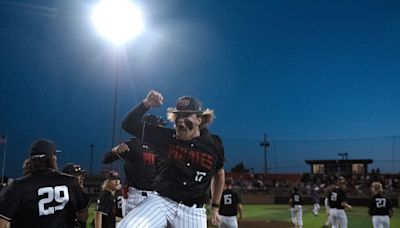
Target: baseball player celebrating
[(380, 207), (139, 165), (43, 197), (189, 167), (337, 200), (296, 202), (230, 206)]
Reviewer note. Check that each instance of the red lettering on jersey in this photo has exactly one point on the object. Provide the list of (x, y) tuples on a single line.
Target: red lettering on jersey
[(149, 158), (180, 153)]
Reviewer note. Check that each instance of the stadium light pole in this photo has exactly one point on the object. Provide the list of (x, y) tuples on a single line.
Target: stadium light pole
[(265, 144), (119, 21)]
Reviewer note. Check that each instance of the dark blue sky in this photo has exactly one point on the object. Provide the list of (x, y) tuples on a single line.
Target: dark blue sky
[(294, 69)]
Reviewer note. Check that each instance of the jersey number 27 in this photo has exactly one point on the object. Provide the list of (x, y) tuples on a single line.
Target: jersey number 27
[(58, 194)]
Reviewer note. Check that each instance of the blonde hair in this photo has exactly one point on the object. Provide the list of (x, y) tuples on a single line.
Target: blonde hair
[(377, 187), (207, 117)]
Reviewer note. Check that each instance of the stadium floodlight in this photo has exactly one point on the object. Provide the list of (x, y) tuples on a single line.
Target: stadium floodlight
[(117, 20)]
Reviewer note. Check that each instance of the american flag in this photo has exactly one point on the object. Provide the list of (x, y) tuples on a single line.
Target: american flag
[(3, 139)]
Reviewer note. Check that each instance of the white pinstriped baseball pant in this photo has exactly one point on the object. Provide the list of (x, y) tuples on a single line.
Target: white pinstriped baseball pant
[(135, 197), (158, 212)]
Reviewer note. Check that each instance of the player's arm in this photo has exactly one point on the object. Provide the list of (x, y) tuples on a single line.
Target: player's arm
[(240, 210), (4, 223), (346, 205), (217, 187), (115, 153), (82, 215), (98, 219), (132, 121)]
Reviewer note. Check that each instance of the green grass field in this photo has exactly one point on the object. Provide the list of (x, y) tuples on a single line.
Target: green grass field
[(357, 217)]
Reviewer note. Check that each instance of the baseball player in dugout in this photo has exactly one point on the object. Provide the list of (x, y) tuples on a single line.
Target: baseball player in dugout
[(380, 207), (230, 206), (338, 202), (76, 171), (105, 215), (190, 166), (43, 197), (139, 166)]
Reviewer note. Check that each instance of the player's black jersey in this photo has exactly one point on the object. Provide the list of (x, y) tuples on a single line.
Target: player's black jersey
[(48, 199), (379, 205), (118, 203), (139, 164), (297, 199), (336, 197), (106, 206), (229, 202), (185, 168)]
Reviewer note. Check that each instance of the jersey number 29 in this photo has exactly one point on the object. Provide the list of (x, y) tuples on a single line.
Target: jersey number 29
[(58, 193)]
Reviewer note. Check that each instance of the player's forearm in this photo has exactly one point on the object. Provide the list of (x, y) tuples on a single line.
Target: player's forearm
[(98, 220), (132, 121), (217, 187), (109, 157), (4, 223)]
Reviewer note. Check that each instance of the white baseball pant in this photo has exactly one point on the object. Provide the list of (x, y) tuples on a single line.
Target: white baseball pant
[(157, 212), (297, 215), (338, 218), (228, 222), (381, 221), (135, 197)]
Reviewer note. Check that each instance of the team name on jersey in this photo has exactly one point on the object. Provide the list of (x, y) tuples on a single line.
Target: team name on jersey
[(149, 158), (199, 158)]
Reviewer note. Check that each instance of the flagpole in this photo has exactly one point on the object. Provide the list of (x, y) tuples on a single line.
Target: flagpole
[(4, 159)]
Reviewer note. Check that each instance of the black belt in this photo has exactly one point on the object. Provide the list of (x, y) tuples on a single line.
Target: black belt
[(198, 205)]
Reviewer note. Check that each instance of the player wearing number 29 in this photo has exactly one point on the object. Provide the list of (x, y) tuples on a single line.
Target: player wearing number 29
[(189, 164), (380, 207), (43, 197)]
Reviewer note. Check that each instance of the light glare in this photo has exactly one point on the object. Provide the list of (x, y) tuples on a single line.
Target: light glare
[(117, 20)]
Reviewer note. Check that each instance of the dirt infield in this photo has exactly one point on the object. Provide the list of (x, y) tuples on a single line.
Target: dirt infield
[(261, 224)]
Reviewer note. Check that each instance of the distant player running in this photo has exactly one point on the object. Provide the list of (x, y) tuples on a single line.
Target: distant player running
[(230, 206), (338, 202), (296, 210), (380, 207)]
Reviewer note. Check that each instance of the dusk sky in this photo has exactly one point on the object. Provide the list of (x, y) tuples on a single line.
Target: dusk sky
[(297, 70)]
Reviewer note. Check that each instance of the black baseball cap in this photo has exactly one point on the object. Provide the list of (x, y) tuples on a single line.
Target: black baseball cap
[(73, 169), (42, 148), (153, 120), (112, 175), (188, 104)]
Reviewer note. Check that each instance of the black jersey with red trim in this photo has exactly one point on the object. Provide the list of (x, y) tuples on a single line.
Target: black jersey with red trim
[(139, 164), (107, 207), (379, 205), (336, 197), (229, 203), (184, 168), (48, 199)]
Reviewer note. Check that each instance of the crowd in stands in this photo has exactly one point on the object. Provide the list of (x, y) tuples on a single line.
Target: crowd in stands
[(283, 183)]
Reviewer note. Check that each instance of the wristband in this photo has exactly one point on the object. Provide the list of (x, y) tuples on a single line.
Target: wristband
[(215, 205)]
